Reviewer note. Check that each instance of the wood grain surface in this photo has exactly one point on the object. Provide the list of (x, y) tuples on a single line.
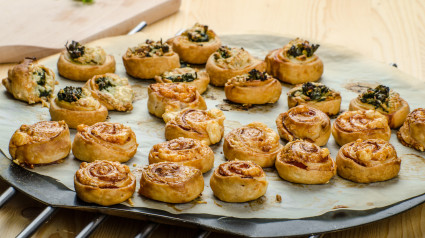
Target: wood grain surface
[(390, 31)]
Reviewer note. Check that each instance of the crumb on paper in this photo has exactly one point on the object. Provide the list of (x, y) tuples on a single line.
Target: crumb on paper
[(129, 201), (134, 165), (370, 204), (278, 198), (339, 206)]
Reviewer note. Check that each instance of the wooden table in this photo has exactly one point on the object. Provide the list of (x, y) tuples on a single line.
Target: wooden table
[(387, 31)]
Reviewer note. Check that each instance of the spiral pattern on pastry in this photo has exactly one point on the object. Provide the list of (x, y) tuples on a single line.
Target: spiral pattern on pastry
[(104, 182), (412, 133), (186, 75)]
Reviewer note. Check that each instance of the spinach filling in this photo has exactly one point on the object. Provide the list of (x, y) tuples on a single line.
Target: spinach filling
[(41, 74), (75, 49), (44, 92), (257, 75), (223, 52), (104, 83), (70, 94), (199, 35), (303, 48), (187, 77), (314, 92), (378, 97), (152, 48)]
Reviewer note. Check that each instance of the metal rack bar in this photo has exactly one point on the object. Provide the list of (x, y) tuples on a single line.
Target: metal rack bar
[(203, 234), (147, 230), (92, 226), (6, 195), (37, 222)]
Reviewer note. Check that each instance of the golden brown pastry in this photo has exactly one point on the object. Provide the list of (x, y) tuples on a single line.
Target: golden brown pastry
[(412, 133), (254, 142), (186, 75), (114, 92), (206, 126), (171, 182), (44, 142), (79, 62), (368, 161), (104, 182), (147, 60), (104, 141), (295, 63), (353, 125), (385, 101), (30, 81), (304, 162), (75, 105), (304, 122), (238, 181), (255, 87), (196, 44), (315, 95), (228, 62)]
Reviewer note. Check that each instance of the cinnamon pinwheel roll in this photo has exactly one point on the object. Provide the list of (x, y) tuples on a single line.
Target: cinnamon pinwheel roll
[(149, 59), (253, 88), (30, 82), (368, 161), (238, 181), (385, 101), (186, 75), (353, 125), (165, 98), (412, 133), (254, 142), (104, 182), (114, 92), (104, 141), (185, 151), (295, 62), (171, 182), (75, 105), (206, 126), (80, 62), (306, 163), (315, 95), (44, 142), (228, 62), (304, 122)]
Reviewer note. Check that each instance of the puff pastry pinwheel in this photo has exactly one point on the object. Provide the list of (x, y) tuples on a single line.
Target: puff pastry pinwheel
[(114, 92), (186, 75), (304, 122), (80, 62), (44, 142), (149, 59), (171, 182), (238, 181), (368, 161), (75, 105), (384, 100), (196, 44), (306, 163), (254, 142), (253, 88), (30, 82), (315, 95), (104, 182), (206, 126), (412, 133), (104, 141), (362, 124), (228, 62), (295, 63), (185, 151)]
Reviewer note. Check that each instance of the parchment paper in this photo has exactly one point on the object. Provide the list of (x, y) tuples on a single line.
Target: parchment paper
[(344, 71)]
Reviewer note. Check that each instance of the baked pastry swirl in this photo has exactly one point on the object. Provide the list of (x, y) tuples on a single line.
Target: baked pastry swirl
[(254, 142), (104, 182), (75, 105), (304, 162), (238, 181), (228, 62), (315, 95), (255, 87), (104, 141), (149, 59), (114, 92), (44, 142), (171, 182), (206, 126), (412, 133), (30, 82), (384, 100), (368, 161), (304, 122), (80, 62), (186, 75), (295, 63), (362, 124), (185, 151)]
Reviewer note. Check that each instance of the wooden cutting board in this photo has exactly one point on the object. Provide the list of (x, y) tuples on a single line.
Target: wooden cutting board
[(37, 28)]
